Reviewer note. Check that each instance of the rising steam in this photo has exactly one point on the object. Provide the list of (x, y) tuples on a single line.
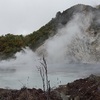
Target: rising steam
[(77, 42)]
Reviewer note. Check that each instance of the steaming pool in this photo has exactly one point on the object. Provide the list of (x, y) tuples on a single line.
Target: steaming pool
[(16, 77), (22, 71)]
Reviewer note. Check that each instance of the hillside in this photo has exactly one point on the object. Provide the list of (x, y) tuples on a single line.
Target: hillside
[(35, 39), (10, 44)]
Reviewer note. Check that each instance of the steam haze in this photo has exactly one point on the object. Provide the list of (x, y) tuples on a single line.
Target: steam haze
[(69, 54), (71, 42)]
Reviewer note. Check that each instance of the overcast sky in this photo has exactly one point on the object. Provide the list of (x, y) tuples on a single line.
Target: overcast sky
[(26, 16)]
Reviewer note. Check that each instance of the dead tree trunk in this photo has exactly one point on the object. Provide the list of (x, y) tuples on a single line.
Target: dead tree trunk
[(42, 74), (44, 64)]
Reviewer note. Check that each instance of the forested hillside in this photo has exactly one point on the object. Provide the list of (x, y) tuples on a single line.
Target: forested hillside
[(10, 44)]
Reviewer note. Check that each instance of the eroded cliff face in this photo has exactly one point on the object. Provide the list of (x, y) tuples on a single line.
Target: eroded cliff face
[(85, 45), (77, 39)]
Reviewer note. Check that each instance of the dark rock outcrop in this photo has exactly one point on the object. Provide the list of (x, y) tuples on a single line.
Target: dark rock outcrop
[(82, 89)]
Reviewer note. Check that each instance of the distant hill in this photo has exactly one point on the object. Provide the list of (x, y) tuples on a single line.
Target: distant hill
[(35, 39), (10, 44)]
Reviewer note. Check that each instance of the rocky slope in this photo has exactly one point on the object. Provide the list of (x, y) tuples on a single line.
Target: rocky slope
[(60, 21), (82, 89), (77, 36), (10, 44), (26, 94)]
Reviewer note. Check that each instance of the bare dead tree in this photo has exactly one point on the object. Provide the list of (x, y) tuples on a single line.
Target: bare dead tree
[(44, 64), (49, 87), (44, 75)]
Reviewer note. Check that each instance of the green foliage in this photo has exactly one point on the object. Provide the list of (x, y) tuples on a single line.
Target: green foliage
[(10, 44), (37, 38)]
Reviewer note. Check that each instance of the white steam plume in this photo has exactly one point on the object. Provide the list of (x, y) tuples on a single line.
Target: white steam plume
[(70, 42), (78, 41)]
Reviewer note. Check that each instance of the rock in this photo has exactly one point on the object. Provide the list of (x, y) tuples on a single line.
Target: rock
[(65, 97), (82, 89), (77, 98)]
